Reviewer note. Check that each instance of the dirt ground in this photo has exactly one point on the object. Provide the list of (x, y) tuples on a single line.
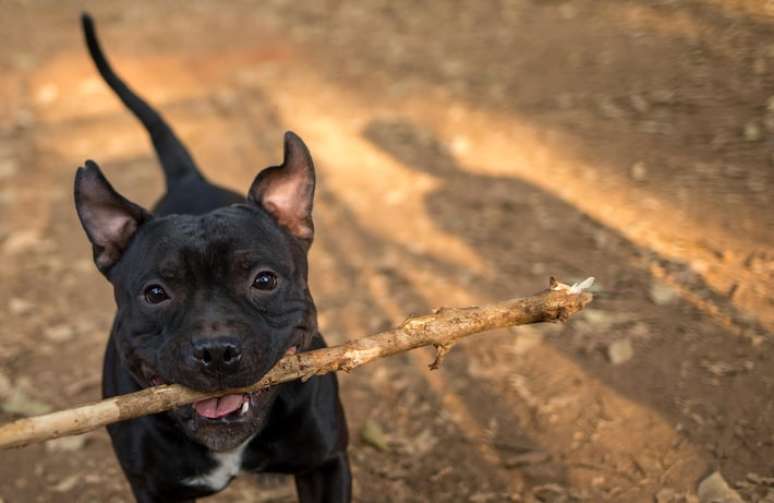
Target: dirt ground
[(466, 151)]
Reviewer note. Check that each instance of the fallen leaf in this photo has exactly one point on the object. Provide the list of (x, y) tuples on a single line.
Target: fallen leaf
[(373, 435), (19, 403), (759, 480), (67, 484), (66, 444), (526, 459), (719, 368)]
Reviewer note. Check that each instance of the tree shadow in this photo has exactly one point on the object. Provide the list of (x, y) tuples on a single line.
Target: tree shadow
[(373, 290), (665, 84), (687, 365)]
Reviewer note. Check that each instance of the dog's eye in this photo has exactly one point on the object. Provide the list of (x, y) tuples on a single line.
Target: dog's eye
[(265, 280), (155, 294)]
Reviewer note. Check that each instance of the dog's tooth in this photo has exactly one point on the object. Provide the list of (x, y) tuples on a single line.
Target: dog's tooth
[(245, 407)]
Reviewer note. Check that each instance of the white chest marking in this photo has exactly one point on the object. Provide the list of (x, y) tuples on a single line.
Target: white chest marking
[(228, 464)]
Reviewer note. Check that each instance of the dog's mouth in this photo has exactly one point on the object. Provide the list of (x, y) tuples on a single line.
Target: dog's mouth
[(224, 409), (223, 422)]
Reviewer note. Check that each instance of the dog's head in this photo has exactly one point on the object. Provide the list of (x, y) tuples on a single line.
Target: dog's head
[(211, 301)]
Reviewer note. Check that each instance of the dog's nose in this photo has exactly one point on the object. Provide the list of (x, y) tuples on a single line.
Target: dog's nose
[(217, 355)]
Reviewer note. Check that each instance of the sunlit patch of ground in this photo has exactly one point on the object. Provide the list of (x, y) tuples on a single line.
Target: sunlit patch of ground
[(456, 166)]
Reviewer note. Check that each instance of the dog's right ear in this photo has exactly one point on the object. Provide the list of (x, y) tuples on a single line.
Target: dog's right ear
[(109, 219), (286, 191)]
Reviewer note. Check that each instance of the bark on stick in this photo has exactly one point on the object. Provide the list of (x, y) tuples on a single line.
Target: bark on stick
[(442, 329)]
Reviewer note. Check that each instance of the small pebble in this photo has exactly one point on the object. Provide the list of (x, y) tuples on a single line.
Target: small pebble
[(47, 94), (620, 351), (752, 131), (666, 496), (715, 489), (21, 241), (639, 171), (639, 103), (58, 333), (662, 294), (19, 306)]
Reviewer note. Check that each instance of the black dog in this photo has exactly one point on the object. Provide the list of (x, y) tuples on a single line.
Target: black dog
[(212, 291)]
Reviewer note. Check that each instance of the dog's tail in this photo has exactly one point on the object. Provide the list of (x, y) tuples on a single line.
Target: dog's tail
[(175, 159)]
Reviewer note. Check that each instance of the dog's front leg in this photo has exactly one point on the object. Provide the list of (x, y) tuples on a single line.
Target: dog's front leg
[(331, 482)]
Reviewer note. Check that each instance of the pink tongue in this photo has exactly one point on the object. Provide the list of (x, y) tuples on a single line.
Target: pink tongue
[(214, 408)]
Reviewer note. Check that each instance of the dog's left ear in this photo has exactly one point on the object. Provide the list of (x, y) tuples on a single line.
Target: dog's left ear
[(109, 219), (286, 192)]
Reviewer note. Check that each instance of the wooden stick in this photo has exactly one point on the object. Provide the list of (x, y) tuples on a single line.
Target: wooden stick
[(442, 329)]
